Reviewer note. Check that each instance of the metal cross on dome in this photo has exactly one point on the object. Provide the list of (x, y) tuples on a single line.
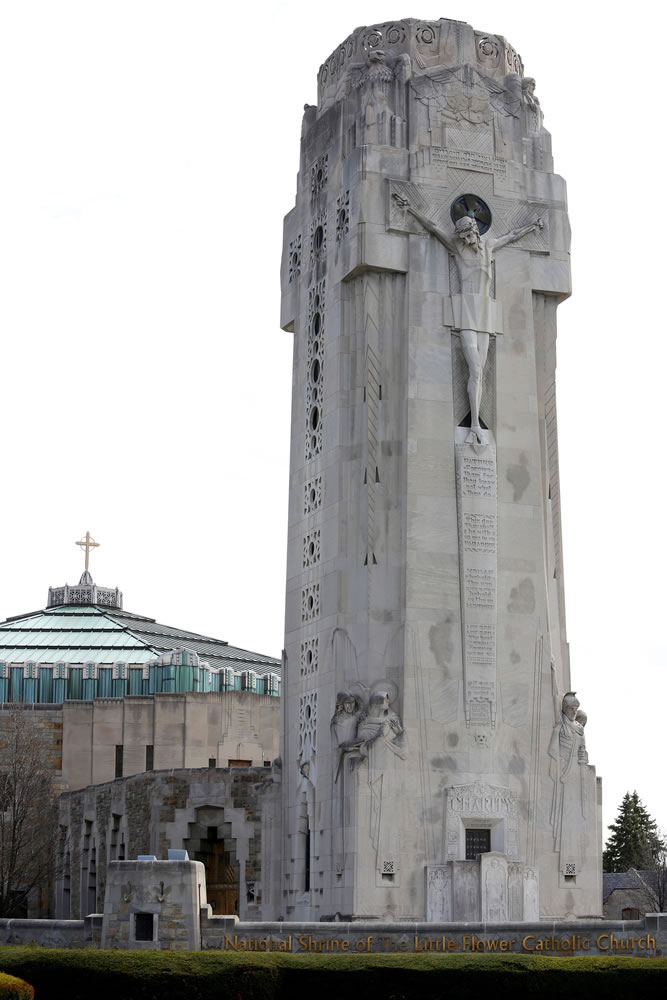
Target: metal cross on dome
[(88, 543)]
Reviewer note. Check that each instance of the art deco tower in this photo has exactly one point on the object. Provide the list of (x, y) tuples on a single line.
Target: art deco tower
[(434, 762)]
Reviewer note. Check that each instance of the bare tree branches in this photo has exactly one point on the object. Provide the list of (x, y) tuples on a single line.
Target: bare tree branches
[(652, 886), (28, 820)]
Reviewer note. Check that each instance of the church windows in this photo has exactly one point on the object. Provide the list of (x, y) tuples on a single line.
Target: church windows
[(319, 174), (312, 495), (318, 238), (149, 757), (342, 216), (92, 880), (306, 879), (303, 848), (315, 370), (310, 602), (294, 258), (143, 926), (88, 895), (118, 770), (116, 839), (310, 651), (64, 884), (311, 548), (307, 725), (477, 842)]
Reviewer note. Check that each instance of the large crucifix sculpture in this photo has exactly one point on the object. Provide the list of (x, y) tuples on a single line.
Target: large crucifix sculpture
[(474, 262)]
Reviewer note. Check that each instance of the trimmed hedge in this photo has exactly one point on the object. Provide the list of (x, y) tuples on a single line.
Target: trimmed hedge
[(12, 988), (162, 975)]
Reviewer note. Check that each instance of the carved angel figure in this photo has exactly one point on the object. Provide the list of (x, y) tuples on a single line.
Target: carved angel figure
[(381, 722)]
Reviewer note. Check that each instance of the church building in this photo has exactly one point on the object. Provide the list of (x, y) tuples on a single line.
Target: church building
[(143, 718)]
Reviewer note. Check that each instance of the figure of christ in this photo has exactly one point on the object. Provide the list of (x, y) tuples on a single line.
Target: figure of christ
[(474, 263)]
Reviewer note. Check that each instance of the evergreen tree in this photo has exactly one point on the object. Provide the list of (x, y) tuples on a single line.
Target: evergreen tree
[(634, 841)]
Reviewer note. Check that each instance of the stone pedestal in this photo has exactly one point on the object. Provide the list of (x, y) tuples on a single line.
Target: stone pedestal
[(490, 888), (152, 905)]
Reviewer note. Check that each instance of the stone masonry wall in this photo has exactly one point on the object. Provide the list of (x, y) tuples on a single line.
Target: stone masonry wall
[(150, 807), (49, 720)]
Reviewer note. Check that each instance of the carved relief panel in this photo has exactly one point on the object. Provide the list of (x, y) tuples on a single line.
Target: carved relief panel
[(480, 805)]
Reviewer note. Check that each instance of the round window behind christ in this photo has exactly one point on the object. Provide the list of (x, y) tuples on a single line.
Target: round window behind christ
[(472, 206)]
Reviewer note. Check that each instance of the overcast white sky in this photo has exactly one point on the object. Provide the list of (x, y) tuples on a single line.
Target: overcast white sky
[(150, 151)]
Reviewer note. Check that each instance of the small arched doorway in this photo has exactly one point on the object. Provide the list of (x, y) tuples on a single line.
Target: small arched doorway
[(210, 841)]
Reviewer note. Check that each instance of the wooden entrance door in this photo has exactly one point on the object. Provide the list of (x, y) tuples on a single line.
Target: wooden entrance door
[(221, 887)]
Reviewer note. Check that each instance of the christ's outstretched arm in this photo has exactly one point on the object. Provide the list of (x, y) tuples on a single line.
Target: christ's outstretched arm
[(516, 234), (426, 223)]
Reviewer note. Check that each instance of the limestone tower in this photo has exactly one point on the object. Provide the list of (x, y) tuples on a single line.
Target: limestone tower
[(433, 755)]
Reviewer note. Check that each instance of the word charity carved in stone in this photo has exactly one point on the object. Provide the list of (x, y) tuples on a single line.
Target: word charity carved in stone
[(480, 799)]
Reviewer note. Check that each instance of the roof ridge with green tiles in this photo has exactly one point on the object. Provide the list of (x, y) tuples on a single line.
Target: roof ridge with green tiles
[(92, 630)]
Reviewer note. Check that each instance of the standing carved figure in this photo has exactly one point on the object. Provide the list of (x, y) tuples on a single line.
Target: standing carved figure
[(381, 722), (474, 262), (345, 746), (567, 750), (383, 746), (495, 884), (531, 104), (344, 726), (528, 91)]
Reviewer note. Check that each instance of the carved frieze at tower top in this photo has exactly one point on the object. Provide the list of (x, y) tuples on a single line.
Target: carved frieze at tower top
[(424, 45)]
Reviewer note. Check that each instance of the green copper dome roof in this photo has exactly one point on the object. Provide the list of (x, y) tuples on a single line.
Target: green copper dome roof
[(81, 633)]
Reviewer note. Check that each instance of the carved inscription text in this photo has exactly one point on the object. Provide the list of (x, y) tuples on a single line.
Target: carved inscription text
[(480, 587), (478, 477), (481, 644), (479, 532), (464, 159)]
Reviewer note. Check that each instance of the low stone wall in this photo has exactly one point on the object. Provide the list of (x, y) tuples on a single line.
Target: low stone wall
[(646, 938), (85, 933)]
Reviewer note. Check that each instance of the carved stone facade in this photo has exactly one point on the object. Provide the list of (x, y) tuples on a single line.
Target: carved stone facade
[(423, 263)]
